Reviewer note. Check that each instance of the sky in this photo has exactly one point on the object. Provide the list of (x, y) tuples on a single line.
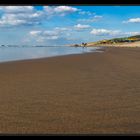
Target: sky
[(60, 25)]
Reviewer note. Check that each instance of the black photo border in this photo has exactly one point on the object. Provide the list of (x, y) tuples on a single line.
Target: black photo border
[(70, 2)]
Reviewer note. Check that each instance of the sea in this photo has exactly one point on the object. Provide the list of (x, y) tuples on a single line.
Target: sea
[(15, 52)]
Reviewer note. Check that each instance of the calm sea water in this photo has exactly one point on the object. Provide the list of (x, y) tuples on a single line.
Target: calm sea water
[(31, 52)]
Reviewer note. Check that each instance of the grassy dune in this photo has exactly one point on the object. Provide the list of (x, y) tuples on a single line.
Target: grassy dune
[(132, 41)]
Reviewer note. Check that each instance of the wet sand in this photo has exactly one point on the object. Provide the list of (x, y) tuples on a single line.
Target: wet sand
[(94, 93)]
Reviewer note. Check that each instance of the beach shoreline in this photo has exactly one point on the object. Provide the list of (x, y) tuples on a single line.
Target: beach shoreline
[(97, 50), (89, 93)]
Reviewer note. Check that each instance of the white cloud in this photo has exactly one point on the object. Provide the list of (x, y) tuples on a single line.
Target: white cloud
[(17, 9), (59, 10), (44, 35), (81, 27), (86, 13), (10, 19), (20, 15), (50, 33), (91, 19), (28, 15), (132, 20), (55, 34), (62, 29), (103, 32), (20, 19), (97, 17), (132, 33), (106, 32), (34, 33)]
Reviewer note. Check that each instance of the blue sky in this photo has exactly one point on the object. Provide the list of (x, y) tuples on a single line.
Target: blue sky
[(60, 25)]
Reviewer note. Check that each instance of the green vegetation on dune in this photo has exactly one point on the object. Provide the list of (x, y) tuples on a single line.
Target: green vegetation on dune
[(136, 36), (111, 41), (118, 40)]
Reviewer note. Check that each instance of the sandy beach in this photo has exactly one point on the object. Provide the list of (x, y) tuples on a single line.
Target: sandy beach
[(92, 93)]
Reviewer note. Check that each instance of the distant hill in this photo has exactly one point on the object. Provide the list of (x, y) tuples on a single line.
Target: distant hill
[(115, 41)]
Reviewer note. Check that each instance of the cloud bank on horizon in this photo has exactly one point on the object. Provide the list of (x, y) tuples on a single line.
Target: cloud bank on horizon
[(59, 25)]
